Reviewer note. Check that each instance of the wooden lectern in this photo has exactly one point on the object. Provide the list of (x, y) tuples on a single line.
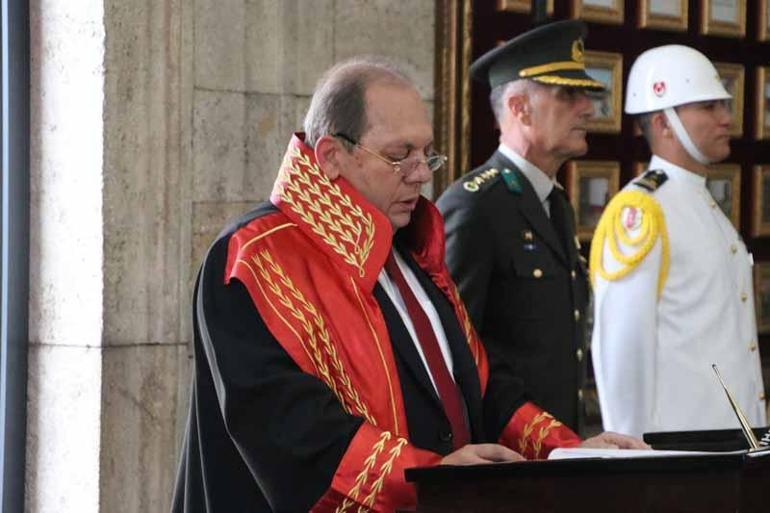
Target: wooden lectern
[(734, 482)]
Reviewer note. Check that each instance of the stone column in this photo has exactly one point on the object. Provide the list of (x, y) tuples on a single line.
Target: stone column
[(66, 256)]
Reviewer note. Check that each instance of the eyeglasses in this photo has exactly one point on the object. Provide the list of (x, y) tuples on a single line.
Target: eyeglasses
[(406, 166)]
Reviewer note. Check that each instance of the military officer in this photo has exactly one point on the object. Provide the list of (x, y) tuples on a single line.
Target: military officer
[(672, 278), (511, 243)]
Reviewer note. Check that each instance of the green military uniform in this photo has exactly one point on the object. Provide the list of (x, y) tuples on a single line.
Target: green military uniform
[(519, 271), (525, 289)]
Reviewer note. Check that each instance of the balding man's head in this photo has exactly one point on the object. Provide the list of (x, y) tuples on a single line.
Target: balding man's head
[(339, 100)]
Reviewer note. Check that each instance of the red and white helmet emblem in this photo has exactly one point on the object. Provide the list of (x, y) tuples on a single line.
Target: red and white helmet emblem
[(659, 88)]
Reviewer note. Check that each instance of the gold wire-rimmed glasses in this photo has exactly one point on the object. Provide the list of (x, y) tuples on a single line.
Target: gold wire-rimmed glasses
[(406, 166)]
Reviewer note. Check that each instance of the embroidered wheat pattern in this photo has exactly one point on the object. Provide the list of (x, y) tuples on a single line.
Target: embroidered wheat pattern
[(315, 330), (385, 470), (537, 445), (369, 462), (466, 320), (329, 212), (528, 428)]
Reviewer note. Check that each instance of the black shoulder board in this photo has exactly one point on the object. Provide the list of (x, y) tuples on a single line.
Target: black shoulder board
[(652, 179)]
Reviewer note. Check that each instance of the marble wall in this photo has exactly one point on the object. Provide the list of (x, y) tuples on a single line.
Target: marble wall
[(155, 121)]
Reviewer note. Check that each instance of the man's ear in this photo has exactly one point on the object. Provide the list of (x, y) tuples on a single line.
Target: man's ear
[(660, 125), (519, 107), (329, 154)]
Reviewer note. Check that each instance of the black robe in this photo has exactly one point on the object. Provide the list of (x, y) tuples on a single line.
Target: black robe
[(263, 436)]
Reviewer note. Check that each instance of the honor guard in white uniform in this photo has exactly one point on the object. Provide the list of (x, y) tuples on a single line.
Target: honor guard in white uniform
[(672, 277)]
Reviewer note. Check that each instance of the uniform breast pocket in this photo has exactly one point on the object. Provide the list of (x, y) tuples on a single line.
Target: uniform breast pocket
[(534, 284)]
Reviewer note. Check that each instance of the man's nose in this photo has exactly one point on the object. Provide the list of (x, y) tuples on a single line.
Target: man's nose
[(420, 174), (725, 113), (586, 105)]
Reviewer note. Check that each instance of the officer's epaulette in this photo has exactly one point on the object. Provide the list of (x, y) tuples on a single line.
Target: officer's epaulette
[(474, 183), (652, 179)]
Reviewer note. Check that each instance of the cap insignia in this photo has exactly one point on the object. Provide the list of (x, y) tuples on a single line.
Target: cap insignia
[(659, 88), (577, 50)]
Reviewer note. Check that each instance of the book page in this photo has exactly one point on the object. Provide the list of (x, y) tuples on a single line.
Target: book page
[(578, 452)]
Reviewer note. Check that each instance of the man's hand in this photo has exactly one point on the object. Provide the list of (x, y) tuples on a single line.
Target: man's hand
[(481, 453), (610, 440)]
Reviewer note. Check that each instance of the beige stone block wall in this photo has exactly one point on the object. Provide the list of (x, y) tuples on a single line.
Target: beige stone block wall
[(140, 407), (146, 225), (143, 175)]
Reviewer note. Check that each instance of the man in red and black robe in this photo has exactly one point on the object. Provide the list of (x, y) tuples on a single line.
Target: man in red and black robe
[(319, 375)]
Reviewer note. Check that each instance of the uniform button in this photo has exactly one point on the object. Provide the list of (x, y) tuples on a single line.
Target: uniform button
[(733, 248), (713, 204), (744, 296), (762, 396), (579, 354), (580, 395), (753, 346), (573, 274), (577, 315), (445, 436), (537, 273)]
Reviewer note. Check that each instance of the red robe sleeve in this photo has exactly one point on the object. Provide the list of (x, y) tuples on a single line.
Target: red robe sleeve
[(534, 433)]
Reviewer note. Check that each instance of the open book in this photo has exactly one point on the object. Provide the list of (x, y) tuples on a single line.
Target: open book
[(578, 452)]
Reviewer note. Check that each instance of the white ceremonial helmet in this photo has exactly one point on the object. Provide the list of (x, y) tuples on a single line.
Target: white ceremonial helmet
[(668, 76)]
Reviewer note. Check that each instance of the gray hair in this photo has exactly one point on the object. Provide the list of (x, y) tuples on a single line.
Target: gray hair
[(339, 100), (644, 121), (499, 95)]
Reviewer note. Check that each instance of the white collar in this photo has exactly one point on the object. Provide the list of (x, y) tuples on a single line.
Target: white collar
[(539, 180)]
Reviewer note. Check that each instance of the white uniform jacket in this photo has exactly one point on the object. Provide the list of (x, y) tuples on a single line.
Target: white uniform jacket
[(674, 297)]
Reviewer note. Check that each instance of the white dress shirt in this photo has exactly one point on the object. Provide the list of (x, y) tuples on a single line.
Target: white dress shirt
[(652, 355), (395, 296)]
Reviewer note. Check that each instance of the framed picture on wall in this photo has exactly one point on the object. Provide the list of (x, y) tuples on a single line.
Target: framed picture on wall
[(663, 14), (760, 201), (724, 183), (524, 6), (763, 21), (606, 67), (732, 76), (762, 112), (762, 296), (723, 17), (591, 184), (601, 11)]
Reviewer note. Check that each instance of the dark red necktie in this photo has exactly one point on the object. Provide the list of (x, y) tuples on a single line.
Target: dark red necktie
[(447, 389)]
